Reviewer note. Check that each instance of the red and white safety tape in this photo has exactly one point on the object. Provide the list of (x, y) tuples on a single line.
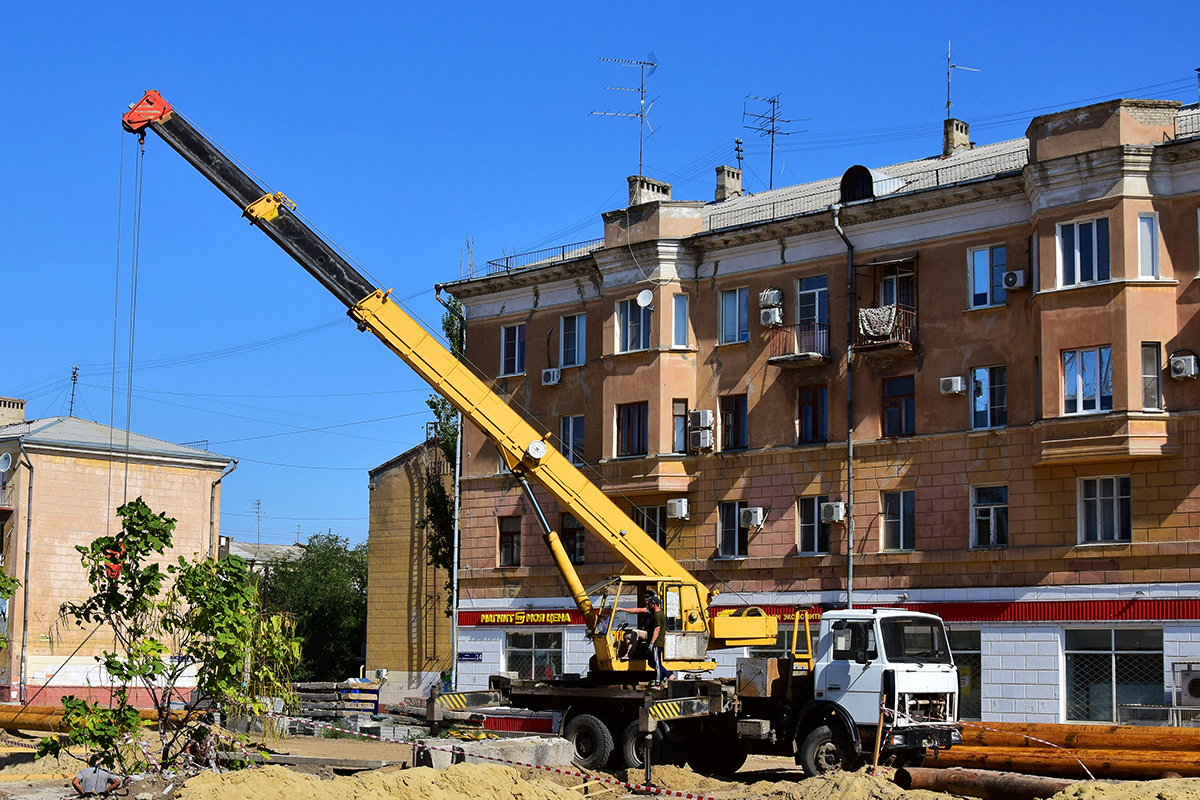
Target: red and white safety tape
[(556, 770)]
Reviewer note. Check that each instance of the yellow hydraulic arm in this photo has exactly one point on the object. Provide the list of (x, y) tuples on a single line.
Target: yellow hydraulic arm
[(526, 451)]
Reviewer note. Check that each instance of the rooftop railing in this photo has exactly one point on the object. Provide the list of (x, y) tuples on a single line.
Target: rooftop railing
[(541, 258)]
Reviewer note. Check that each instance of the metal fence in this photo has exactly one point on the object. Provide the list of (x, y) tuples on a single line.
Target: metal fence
[(539, 258), (940, 173), (803, 337), (7, 496), (1187, 125)]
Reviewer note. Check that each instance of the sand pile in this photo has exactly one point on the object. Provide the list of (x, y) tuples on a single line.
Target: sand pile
[(1170, 789), (26, 764), (392, 783), (839, 786)]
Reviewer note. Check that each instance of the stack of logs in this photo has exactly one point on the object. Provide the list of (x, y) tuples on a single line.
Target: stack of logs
[(1108, 751)]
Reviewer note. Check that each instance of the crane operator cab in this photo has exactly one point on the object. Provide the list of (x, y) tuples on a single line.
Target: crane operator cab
[(685, 632)]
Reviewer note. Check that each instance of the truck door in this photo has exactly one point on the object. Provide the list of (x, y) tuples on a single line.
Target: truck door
[(847, 681), (687, 629)]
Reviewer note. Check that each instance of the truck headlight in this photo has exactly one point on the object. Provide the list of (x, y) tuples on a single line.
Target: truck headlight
[(956, 736), (899, 740)]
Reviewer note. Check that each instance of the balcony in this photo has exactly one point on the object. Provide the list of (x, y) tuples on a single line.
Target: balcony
[(889, 330), (8, 501), (805, 344), (1093, 439)]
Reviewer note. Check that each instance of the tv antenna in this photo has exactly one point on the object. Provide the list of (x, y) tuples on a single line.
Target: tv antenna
[(738, 152), (767, 125), (950, 67), (74, 383), (647, 69)]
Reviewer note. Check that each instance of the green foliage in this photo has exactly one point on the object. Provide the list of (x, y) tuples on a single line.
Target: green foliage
[(203, 615), (8, 590), (325, 591)]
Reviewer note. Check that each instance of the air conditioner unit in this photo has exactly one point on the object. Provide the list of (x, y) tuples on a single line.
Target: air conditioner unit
[(677, 508), (700, 439), (770, 298), (955, 384), (700, 418), (771, 317), (1183, 367), (552, 376), (381, 674), (1189, 688), (1014, 279), (833, 512), (752, 517)]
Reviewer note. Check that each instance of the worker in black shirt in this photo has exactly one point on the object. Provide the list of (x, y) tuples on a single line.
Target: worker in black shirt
[(656, 638)]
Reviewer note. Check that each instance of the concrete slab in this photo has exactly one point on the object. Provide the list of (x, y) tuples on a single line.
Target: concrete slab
[(545, 751)]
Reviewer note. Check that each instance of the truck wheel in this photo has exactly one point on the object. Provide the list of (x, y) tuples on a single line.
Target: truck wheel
[(633, 745), (717, 757), (824, 751), (591, 739)]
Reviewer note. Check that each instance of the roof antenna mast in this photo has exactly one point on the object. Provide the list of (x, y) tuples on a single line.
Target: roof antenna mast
[(950, 67), (647, 69), (767, 125), (74, 383)]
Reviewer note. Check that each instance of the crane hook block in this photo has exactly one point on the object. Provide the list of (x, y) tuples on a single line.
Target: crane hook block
[(266, 207), (151, 108)]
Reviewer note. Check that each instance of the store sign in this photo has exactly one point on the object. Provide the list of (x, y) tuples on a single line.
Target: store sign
[(525, 618), (476, 658)]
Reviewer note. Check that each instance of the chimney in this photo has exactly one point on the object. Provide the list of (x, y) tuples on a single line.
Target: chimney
[(729, 183), (956, 136), (11, 411), (647, 190)]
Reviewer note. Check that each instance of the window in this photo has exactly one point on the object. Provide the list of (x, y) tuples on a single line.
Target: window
[(899, 406), (574, 333), (632, 429), (1108, 668), (899, 521), (1151, 376), (679, 429), (510, 541), (813, 416), (812, 312), (812, 538), (734, 433), (898, 284), (968, 657), (987, 276), (653, 520), (633, 327), (1147, 245), (572, 534), (679, 307), (512, 349), (852, 638), (989, 397), (1104, 510), (990, 528), (1087, 380), (570, 441), (533, 655), (733, 541), (1083, 252), (735, 315)]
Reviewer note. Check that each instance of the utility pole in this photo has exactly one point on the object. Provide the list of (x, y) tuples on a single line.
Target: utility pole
[(650, 64), (767, 125), (74, 383), (257, 506)]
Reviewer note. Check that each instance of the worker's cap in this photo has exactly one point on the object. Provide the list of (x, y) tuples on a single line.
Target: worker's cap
[(653, 598)]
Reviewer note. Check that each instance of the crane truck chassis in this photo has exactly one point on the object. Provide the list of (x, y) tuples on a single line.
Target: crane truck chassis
[(882, 679)]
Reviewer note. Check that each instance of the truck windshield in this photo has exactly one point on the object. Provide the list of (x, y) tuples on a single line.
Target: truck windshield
[(914, 640)]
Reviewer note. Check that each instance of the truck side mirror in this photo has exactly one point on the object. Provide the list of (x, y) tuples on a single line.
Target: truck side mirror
[(860, 656)]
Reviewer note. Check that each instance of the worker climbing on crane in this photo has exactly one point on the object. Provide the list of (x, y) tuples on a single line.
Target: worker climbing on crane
[(656, 637)]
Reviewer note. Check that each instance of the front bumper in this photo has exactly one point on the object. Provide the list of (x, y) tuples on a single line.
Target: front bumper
[(916, 737)]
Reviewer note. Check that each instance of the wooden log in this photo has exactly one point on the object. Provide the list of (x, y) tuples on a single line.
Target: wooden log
[(48, 718), (1084, 736), (1143, 764), (980, 783)]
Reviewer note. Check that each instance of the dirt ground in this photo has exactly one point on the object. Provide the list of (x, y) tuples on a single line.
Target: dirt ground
[(762, 778)]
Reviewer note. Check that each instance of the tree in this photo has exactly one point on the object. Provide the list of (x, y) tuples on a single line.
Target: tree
[(325, 589), (200, 615)]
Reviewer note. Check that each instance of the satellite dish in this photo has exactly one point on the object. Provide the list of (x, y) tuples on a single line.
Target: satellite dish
[(645, 298), (5, 462)]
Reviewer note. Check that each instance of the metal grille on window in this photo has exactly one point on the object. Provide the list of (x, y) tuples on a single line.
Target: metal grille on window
[(1109, 668), (533, 655), (968, 657)]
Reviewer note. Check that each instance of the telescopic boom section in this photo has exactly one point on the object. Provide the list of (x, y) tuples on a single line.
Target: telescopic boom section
[(523, 448)]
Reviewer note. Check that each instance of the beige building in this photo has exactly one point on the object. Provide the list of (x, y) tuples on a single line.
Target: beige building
[(66, 478), (408, 625), (971, 381)]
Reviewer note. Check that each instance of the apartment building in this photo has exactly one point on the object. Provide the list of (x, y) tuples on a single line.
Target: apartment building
[(965, 384), (61, 481)]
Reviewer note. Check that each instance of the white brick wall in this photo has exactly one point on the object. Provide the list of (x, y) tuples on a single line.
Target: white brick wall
[(1021, 666)]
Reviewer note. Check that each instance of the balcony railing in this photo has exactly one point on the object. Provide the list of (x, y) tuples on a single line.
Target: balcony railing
[(540, 258), (7, 496), (889, 327), (810, 339)]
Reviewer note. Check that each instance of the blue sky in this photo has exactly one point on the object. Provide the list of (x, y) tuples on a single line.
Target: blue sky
[(403, 129)]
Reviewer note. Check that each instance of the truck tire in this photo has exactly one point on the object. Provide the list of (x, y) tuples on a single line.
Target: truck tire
[(591, 741), (632, 745), (824, 751)]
